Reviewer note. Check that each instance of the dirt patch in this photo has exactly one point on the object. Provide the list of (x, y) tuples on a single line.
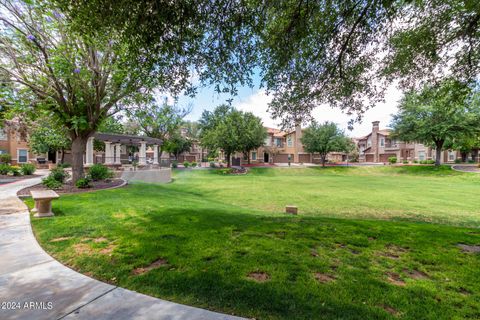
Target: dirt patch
[(323, 277), (314, 253), (390, 310), (101, 239), (372, 238), (469, 248), (154, 265), (108, 250), (415, 274), (83, 248), (393, 251), (259, 276), (355, 252), (464, 291), (394, 278), (60, 239)]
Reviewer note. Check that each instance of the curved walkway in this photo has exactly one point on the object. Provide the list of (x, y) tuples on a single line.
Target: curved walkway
[(466, 168), (33, 285)]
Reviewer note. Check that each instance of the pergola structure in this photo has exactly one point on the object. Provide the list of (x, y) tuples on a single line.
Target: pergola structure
[(113, 143)]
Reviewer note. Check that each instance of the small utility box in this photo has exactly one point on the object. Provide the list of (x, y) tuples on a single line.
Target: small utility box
[(291, 209)]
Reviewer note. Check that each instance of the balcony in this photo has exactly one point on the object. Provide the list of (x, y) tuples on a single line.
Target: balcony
[(391, 146)]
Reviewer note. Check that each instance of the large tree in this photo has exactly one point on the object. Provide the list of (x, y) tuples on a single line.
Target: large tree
[(325, 138), (158, 120), (177, 144), (47, 135), (87, 60), (438, 114), (230, 130), (253, 134)]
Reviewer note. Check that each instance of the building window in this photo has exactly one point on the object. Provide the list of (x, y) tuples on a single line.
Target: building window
[(254, 156), (382, 142), (22, 156), (3, 135), (421, 155), (369, 142), (278, 142), (3, 151), (451, 155), (290, 141), (267, 141)]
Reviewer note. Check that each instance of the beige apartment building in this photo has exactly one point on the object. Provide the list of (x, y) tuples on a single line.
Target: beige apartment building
[(378, 146), (13, 143)]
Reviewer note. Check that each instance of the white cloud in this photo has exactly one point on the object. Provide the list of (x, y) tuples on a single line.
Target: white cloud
[(257, 103)]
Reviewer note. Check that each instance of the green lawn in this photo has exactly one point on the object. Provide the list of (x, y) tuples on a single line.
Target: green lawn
[(347, 255)]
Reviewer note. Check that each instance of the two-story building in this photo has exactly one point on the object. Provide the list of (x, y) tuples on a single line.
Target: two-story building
[(378, 146), (15, 144)]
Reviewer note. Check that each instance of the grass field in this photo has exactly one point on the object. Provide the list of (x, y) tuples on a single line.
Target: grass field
[(369, 243)]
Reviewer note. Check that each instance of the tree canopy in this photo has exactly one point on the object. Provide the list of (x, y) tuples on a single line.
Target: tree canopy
[(230, 130), (437, 114), (325, 138)]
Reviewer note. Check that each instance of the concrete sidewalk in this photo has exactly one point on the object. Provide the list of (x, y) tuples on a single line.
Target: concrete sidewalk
[(33, 285)]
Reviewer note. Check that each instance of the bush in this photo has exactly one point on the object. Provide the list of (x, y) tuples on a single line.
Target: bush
[(28, 169), (427, 162), (64, 165), (99, 172), (471, 161), (59, 174), (15, 170), (5, 158), (51, 183), (174, 164), (83, 183), (212, 164), (458, 161), (193, 164), (5, 168), (392, 160), (186, 164), (225, 171), (405, 162), (415, 161)]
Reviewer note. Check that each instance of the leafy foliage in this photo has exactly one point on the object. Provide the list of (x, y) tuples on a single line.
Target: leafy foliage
[(59, 174), (83, 183), (177, 144), (437, 114), (5, 158), (325, 138), (27, 169), (5, 168), (99, 172), (47, 135), (51, 183)]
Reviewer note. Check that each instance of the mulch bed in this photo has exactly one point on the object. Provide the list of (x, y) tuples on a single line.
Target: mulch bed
[(70, 188)]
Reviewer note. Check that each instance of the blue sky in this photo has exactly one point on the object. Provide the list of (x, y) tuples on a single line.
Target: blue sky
[(256, 101)]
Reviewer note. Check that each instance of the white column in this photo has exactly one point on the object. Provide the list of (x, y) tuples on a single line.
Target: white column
[(108, 153), (89, 152), (118, 149), (155, 154), (143, 153)]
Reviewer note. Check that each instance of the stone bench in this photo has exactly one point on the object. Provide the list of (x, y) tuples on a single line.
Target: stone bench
[(43, 202)]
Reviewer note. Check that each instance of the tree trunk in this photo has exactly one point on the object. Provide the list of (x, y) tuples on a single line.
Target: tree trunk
[(438, 152), (247, 155), (79, 145), (228, 160), (323, 159), (63, 156)]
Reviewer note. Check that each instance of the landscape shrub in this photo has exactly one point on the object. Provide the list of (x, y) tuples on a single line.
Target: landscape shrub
[(458, 160), (212, 164), (5, 168), (28, 169), (186, 164), (51, 183), (392, 160), (174, 164), (15, 170), (5, 158), (193, 164), (471, 161), (64, 165), (99, 172), (427, 162), (83, 183), (405, 162), (225, 171), (415, 161), (59, 174)]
